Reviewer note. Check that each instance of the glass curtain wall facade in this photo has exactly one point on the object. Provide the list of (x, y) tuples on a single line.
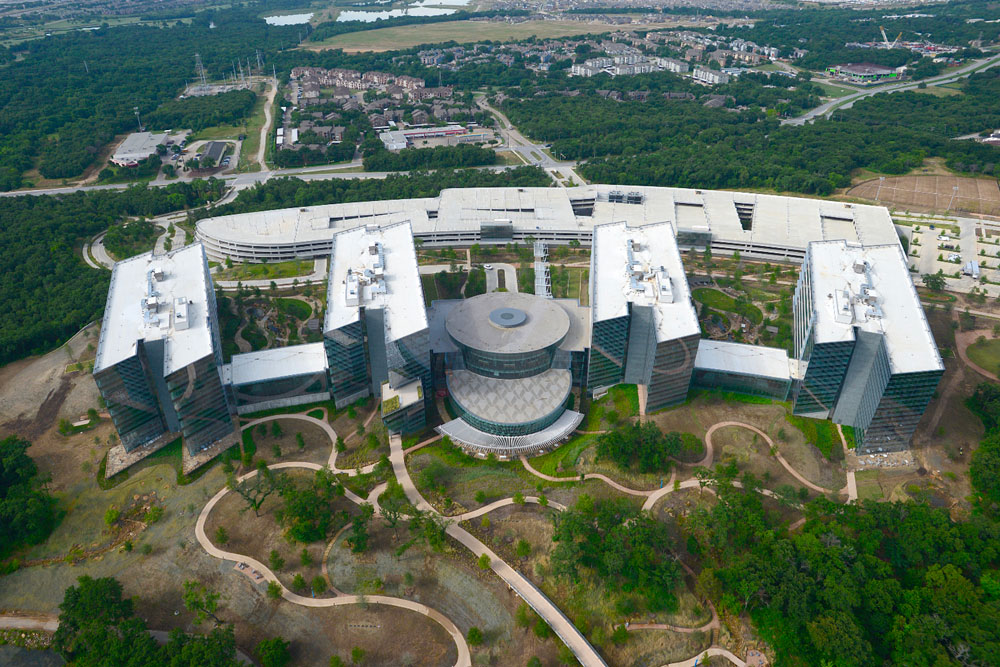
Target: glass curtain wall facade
[(410, 356), (508, 366), (305, 387), (345, 352), (902, 404), (672, 368), (131, 401), (201, 405), (607, 353), (755, 385)]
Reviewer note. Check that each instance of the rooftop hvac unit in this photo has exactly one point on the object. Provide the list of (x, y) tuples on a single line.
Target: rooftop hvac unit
[(181, 314), (616, 197), (352, 295)]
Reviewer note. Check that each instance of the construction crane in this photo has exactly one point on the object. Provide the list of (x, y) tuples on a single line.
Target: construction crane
[(885, 38)]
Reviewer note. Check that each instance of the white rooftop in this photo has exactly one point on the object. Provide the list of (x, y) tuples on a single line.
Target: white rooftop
[(790, 222), (278, 363), (744, 359), (641, 265), (138, 146), (152, 298), (376, 268), (870, 288)]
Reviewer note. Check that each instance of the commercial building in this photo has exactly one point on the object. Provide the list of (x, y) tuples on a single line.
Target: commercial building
[(375, 330), (508, 367), (137, 147), (744, 369), (869, 359), (765, 227), (159, 358), (645, 328), (278, 378), (865, 73), (396, 140), (508, 363)]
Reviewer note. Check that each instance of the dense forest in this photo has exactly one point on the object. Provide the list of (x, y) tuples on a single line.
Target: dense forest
[(27, 512), (868, 584), (48, 293), (439, 157), (71, 94), (824, 32), (197, 113), (682, 143), (285, 192)]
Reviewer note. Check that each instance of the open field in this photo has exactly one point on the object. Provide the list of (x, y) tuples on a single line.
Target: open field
[(985, 354), (404, 37), (938, 91), (831, 90), (933, 193)]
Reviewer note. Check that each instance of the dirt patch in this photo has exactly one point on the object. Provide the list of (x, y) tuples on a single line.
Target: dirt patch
[(257, 536), (932, 193), (449, 582)]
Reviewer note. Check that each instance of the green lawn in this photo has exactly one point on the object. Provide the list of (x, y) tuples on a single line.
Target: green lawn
[(295, 308), (566, 455), (289, 269), (834, 91), (713, 298), (430, 288), (248, 150), (985, 354)]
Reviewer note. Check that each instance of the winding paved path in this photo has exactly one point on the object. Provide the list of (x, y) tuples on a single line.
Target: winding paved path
[(557, 620), (464, 656)]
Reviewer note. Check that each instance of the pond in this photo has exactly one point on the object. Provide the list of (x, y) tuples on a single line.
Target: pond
[(368, 17), (288, 19)]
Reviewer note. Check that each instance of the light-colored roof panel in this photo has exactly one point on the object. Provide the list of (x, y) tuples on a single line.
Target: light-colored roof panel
[(790, 222), (870, 288), (163, 297), (641, 265), (756, 360), (278, 363), (390, 281)]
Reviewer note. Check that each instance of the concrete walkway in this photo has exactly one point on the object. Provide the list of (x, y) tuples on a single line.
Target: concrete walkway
[(464, 656), (586, 654)]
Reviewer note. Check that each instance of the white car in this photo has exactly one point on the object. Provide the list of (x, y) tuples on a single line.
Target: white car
[(488, 267)]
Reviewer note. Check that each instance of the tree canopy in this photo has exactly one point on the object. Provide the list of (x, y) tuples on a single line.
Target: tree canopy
[(27, 511)]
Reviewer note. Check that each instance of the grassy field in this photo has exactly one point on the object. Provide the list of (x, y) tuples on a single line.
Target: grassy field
[(985, 354), (248, 150), (404, 37), (834, 91), (289, 269), (295, 308), (713, 298), (938, 91)]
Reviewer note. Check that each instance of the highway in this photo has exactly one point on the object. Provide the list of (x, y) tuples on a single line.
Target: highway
[(848, 101)]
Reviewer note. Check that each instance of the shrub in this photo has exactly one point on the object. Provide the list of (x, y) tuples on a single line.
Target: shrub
[(299, 582), (474, 636), (273, 590)]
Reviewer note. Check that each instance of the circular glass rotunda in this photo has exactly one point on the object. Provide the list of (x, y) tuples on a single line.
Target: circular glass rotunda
[(509, 379)]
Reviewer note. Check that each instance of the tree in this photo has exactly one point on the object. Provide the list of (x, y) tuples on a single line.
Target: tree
[(484, 562), (255, 489), (518, 498), (393, 504), (305, 558), (934, 281), (358, 537), (523, 549), (276, 429), (111, 516), (299, 582), (273, 590), (275, 560), (221, 535), (319, 584), (27, 511), (273, 652), (96, 624), (474, 636), (203, 602), (357, 655)]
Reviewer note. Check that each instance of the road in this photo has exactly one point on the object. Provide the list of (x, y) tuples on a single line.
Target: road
[(848, 101), (266, 129), (530, 152)]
